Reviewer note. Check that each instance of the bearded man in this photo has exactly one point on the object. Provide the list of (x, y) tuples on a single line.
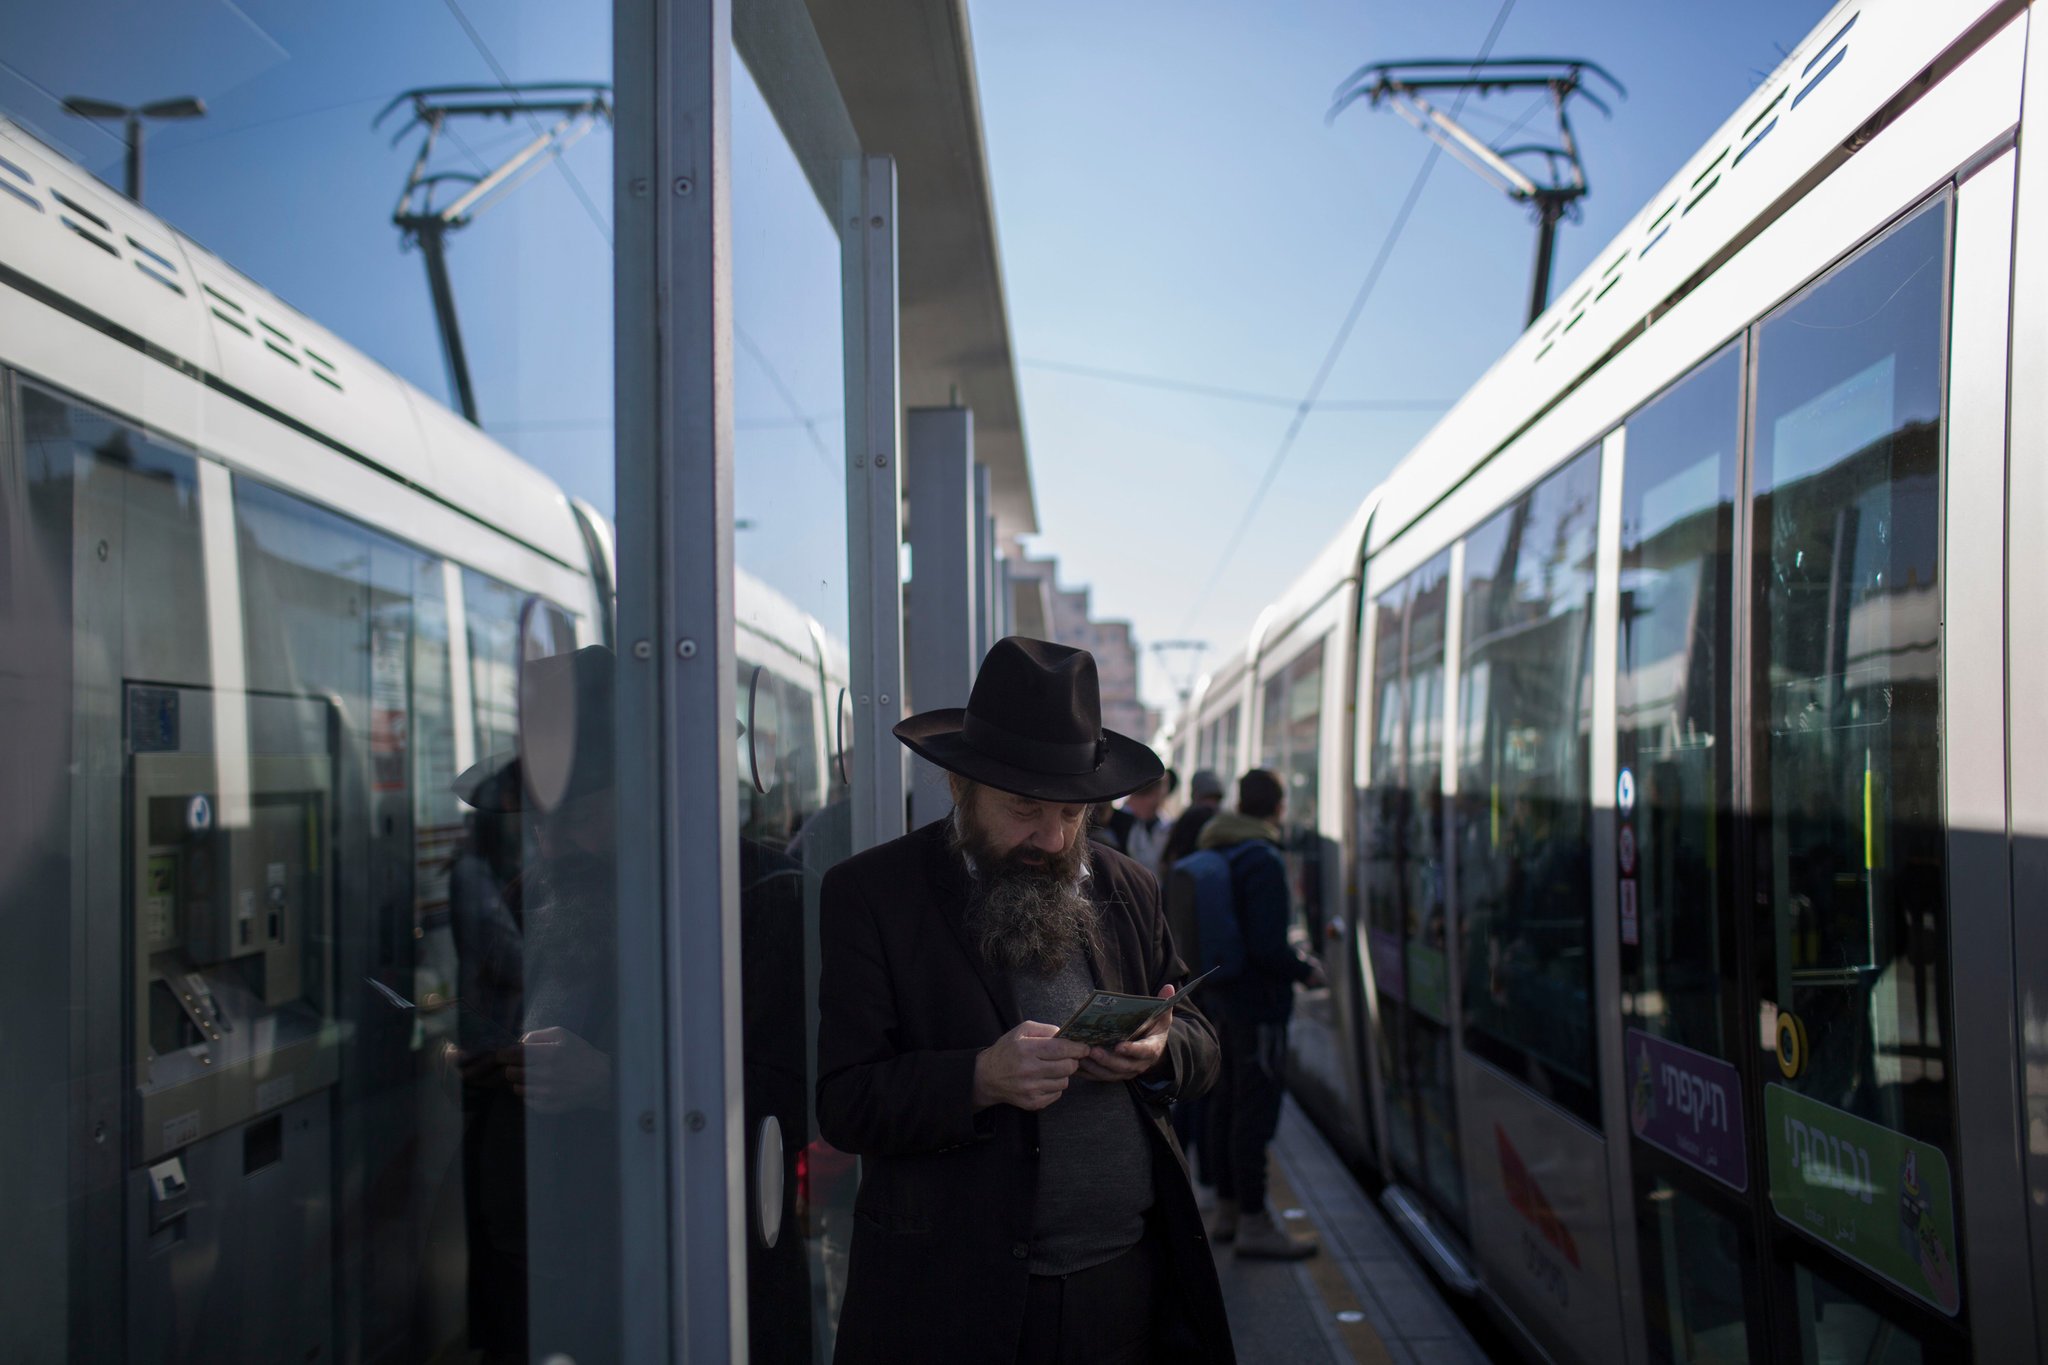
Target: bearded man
[(1022, 1197)]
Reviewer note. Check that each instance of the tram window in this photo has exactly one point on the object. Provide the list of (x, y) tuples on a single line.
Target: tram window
[(1836, 1328), (1672, 700), (1694, 1263), (1847, 700), (1291, 744), (1524, 809), (88, 475), (109, 586), (1291, 739), (491, 610), (1406, 911)]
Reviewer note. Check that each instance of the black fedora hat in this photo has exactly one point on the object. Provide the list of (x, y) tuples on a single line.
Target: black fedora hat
[(1033, 727)]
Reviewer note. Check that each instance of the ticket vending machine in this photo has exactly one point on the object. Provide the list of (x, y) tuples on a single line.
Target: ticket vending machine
[(233, 1047)]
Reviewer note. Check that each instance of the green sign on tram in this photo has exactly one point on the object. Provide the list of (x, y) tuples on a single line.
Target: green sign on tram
[(1877, 1197)]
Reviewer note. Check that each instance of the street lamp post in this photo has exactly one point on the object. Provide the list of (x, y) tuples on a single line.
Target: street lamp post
[(183, 107)]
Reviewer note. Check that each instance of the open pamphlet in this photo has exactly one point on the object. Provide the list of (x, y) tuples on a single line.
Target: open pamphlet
[(1107, 1018)]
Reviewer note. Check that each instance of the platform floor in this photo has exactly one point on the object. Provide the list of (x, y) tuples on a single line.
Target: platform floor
[(1363, 1298)]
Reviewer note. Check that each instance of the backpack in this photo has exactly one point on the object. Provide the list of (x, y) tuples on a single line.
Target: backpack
[(1201, 910)]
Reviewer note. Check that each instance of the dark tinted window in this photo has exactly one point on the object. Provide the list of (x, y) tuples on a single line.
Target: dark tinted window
[(1524, 802), (1671, 704), (1847, 647)]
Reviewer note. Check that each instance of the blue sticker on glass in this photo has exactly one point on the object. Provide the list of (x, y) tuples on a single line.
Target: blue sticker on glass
[(199, 815), (1625, 791)]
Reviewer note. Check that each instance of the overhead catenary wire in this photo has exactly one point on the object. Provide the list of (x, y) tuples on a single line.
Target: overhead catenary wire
[(1337, 344), (476, 40), (1204, 390)]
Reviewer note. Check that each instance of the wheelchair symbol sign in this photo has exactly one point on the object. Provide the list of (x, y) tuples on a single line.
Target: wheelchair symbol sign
[(1625, 791)]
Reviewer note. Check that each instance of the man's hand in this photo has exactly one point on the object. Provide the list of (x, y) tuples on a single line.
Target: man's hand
[(1128, 1061), (555, 1071), (1317, 978), (1027, 1067)]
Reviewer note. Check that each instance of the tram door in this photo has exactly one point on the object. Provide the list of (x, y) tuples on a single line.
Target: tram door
[(1407, 898), (1783, 892)]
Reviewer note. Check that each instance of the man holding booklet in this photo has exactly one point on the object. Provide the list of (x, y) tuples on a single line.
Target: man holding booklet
[(1022, 1195)]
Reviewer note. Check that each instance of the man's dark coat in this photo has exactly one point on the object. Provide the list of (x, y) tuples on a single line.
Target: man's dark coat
[(942, 1222)]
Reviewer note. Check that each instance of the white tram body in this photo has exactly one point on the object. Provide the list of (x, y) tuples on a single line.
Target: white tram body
[(1656, 740), (254, 580)]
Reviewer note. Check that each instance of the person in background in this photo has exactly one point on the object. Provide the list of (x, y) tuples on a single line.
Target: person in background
[(1251, 1012), (1191, 1117), (1205, 797), (1021, 1197), (1098, 825), (1137, 828)]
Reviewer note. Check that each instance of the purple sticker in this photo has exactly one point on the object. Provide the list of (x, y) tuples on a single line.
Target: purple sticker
[(1631, 920), (1687, 1104), (1389, 964)]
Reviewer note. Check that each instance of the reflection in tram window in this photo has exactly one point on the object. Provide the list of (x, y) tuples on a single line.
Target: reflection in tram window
[(1216, 746), (1524, 804), (1695, 1262), (1847, 700), (1291, 748), (1671, 704), (1406, 907), (1836, 1328)]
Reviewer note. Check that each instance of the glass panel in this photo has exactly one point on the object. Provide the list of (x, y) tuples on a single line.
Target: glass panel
[(1524, 806), (1693, 1279), (1848, 653), (1292, 750), (1407, 923), (1836, 1328), (792, 608), (334, 996), (1671, 705)]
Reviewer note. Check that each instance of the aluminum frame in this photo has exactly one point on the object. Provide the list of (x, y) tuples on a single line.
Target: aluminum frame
[(683, 1291), (947, 573), (874, 496), (2026, 659), (1988, 1158)]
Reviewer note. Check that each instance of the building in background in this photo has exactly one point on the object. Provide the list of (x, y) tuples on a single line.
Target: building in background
[(1064, 617)]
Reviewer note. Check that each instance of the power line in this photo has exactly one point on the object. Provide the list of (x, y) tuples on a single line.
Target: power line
[(1277, 400), (809, 424), (1337, 343), (575, 185)]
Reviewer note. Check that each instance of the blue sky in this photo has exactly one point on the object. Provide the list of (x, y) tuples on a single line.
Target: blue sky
[(1171, 202)]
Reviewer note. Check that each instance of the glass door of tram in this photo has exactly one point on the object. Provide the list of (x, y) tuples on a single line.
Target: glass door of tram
[(1780, 845), (1408, 902)]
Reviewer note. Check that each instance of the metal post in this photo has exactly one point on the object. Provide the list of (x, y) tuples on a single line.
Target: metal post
[(134, 129), (1548, 210), (984, 560), (649, 1226), (944, 574), (678, 1078), (874, 496), (432, 235)]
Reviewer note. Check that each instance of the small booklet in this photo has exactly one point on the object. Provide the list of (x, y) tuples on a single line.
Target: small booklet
[(1107, 1018)]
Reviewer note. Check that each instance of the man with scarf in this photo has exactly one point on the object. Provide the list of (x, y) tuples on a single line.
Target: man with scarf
[(1251, 1014), (1022, 1197)]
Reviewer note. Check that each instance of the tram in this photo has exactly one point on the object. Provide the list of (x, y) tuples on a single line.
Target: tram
[(263, 602), (1661, 767)]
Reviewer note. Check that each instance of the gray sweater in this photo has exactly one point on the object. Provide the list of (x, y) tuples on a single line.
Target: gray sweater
[(1094, 1164)]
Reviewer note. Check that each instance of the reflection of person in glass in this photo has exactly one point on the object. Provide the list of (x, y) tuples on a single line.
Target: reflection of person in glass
[(484, 903), (558, 1066), (1022, 1197)]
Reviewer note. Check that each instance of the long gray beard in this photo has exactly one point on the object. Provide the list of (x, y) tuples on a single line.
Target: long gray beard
[(1026, 917), (1031, 922)]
